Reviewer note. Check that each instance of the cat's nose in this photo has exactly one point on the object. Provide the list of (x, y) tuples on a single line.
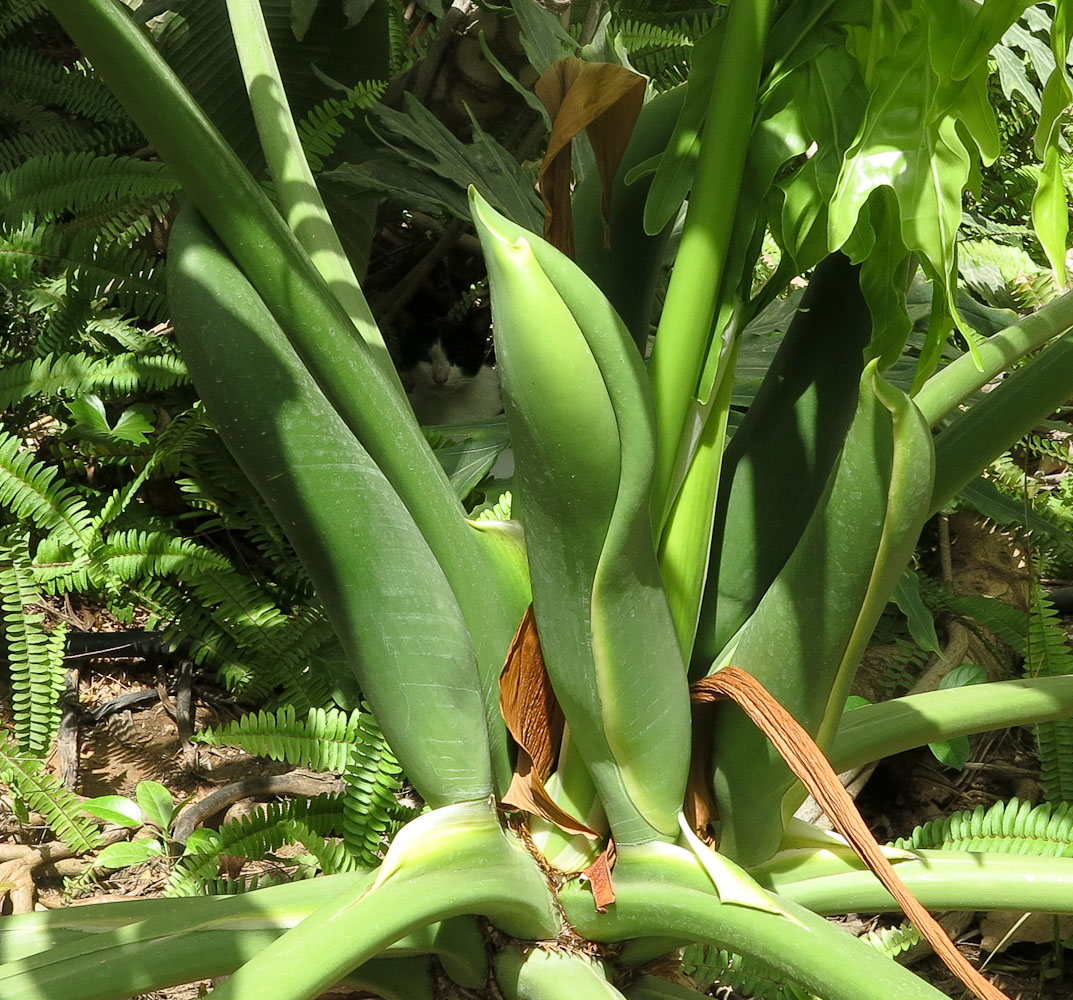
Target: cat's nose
[(440, 378)]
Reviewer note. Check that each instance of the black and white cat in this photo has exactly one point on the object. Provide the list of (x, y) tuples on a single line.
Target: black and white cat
[(448, 370)]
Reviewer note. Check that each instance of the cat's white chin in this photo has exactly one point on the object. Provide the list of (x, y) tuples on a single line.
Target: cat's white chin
[(473, 399)]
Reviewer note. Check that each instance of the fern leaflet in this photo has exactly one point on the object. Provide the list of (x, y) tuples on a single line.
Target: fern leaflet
[(253, 836), (325, 740), (30, 491), (35, 656), (44, 794), (1049, 655), (1012, 827)]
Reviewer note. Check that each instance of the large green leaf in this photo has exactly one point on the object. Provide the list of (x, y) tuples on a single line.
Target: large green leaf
[(810, 628), (792, 433), (389, 601)]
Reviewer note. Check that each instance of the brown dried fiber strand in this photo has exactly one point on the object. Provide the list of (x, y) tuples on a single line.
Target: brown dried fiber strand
[(811, 767)]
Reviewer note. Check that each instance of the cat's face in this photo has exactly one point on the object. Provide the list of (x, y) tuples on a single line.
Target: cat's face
[(443, 358), (440, 371), (447, 370)]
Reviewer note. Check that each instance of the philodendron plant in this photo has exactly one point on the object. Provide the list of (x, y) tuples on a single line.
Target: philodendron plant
[(655, 553)]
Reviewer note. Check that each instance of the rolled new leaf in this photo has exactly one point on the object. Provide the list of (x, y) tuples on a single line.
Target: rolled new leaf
[(581, 421), (807, 634), (387, 597)]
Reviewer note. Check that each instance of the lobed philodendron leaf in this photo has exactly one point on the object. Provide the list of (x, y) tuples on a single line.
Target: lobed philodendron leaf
[(830, 94), (581, 420), (809, 630), (912, 140)]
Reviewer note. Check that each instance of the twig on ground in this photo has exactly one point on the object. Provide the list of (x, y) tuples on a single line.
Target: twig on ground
[(293, 783)]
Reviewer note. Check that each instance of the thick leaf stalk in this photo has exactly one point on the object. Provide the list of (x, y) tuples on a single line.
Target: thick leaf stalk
[(977, 436), (872, 732), (943, 880), (390, 603), (582, 428), (696, 291), (806, 636), (99, 953), (447, 862), (663, 892)]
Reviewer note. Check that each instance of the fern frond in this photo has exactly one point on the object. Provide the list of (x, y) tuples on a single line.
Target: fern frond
[(15, 13), (181, 434), (30, 491), (331, 740), (640, 34), (398, 32), (330, 855), (253, 836), (325, 740), (120, 334), (61, 567), (1060, 450), (209, 645), (45, 187), (35, 656), (236, 629), (257, 880), (70, 375), (1049, 655), (1010, 624), (1050, 525), (22, 248), (748, 977), (289, 670), (661, 46), (1012, 827), (28, 779), (333, 858), (123, 224), (75, 89), (132, 555), (1004, 275), (215, 483), (371, 810), (127, 278), (499, 511), (893, 941), (48, 134), (320, 128)]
